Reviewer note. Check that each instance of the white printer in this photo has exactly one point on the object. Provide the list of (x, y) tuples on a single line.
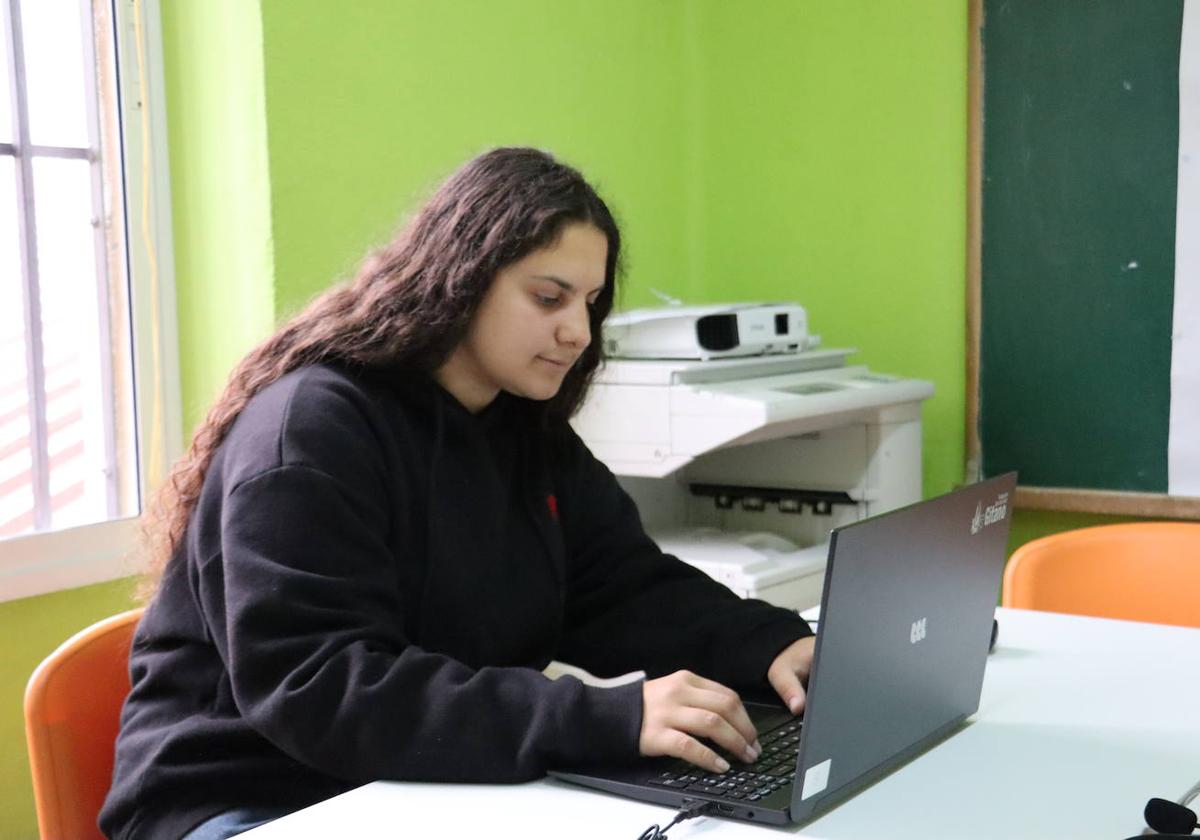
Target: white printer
[(754, 564), (741, 466)]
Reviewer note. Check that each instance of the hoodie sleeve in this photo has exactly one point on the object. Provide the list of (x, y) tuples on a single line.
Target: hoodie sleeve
[(303, 605), (632, 607)]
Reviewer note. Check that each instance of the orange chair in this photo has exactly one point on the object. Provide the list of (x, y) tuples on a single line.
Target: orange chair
[(1143, 571), (72, 709)]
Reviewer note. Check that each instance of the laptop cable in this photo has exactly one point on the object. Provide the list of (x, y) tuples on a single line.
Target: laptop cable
[(687, 811)]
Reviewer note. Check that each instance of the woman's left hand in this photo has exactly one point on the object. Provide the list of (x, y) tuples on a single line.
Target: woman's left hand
[(788, 674)]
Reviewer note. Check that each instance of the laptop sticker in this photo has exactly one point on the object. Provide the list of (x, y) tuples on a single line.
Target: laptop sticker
[(816, 779)]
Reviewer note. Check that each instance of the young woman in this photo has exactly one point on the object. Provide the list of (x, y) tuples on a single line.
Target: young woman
[(385, 529)]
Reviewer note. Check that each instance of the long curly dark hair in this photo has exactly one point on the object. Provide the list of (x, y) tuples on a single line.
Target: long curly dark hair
[(408, 306)]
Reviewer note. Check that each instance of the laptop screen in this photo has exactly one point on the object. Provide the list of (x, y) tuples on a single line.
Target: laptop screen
[(906, 620)]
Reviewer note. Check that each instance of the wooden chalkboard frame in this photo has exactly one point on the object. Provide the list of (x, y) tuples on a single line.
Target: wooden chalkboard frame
[(1150, 505)]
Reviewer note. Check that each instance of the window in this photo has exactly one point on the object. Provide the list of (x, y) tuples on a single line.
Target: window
[(84, 409)]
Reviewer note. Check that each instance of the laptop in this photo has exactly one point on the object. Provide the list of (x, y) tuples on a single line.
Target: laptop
[(903, 638)]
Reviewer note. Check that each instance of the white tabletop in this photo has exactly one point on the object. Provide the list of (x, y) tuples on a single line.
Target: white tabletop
[(1082, 720)]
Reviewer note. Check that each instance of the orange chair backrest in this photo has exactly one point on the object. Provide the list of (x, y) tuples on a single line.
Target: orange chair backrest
[(1143, 571), (72, 712)]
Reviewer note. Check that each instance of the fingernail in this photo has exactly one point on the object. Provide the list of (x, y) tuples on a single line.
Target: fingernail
[(794, 705), (750, 755), (757, 748), (722, 764)]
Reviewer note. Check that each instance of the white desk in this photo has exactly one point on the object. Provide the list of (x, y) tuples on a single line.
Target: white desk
[(1082, 720)]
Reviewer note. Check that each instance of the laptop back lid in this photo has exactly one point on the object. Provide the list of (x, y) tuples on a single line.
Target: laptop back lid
[(905, 624)]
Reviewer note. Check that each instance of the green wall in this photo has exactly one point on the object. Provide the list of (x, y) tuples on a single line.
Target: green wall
[(367, 112), (220, 190), (834, 164), (806, 151)]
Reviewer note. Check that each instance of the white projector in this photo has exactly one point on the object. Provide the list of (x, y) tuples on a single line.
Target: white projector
[(708, 332)]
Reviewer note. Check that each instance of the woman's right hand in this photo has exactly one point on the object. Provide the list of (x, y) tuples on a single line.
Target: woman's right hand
[(682, 707)]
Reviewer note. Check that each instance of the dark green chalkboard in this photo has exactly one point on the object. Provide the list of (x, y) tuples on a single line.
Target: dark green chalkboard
[(1079, 165)]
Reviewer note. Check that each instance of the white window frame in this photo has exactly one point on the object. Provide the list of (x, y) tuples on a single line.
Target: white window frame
[(48, 562)]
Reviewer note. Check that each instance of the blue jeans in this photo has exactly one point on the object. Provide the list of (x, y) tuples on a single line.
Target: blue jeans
[(229, 823)]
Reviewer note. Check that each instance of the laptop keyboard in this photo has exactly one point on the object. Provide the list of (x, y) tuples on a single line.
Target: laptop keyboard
[(774, 769)]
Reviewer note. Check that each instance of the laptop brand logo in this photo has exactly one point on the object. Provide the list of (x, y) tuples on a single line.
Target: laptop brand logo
[(917, 633), (995, 512)]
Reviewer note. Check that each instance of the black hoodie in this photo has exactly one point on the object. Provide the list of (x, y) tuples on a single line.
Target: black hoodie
[(370, 584)]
